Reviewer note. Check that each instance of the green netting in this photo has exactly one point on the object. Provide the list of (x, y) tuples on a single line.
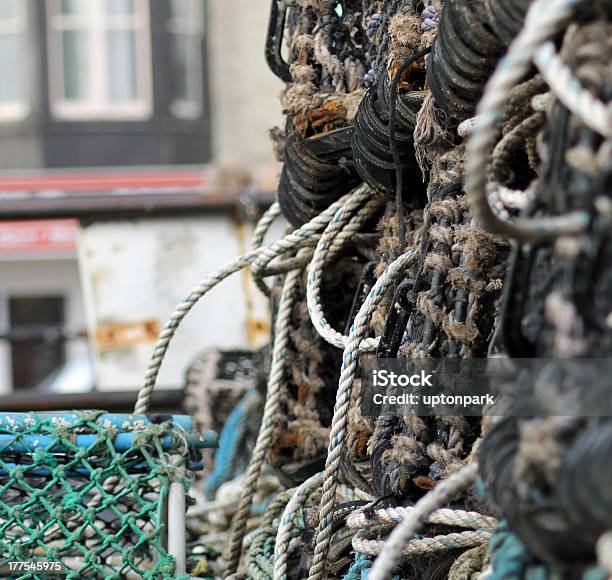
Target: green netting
[(89, 490)]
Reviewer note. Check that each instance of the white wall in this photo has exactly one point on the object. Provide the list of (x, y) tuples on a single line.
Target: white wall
[(244, 92), (40, 277), (138, 271)]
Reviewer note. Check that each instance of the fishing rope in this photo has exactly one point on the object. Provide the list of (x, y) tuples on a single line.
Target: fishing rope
[(257, 239), (367, 518), (270, 417), (391, 516), (444, 491), (544, 19), (285, 528), (500, 159), (339, 422), (334, 237), (266, 254), (339, 237), (568, 89), (258, 562), (425, 545), (295, 240), (263, 225)]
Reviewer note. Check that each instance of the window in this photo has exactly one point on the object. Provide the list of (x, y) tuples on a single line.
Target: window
[(13, 55), (100, 59), (186, 29), (34, 359)]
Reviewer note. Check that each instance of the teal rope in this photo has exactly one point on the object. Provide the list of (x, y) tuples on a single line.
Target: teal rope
[(360, 567), (230, 444)]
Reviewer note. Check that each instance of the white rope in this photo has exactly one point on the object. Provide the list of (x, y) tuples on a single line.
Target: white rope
[(257, 239), (285, 528), (503, 199), (544, 19), (436, 498), (317, 224), (307, 234), (263, 225), (269, 420), (568, 89), (425, 545), (294, 263), (466, 128), (335, 235), (366, 517), (339, 422)]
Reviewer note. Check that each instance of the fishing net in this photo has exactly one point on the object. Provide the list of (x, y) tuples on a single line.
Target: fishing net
[(90, 490)]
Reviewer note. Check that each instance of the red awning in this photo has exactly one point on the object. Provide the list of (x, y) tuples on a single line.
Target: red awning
[(106, 181)]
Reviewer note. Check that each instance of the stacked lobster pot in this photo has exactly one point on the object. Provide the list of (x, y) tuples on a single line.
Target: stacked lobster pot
[(446, 175), (472, 37), (372, 148), (313, 176), (558, 503)]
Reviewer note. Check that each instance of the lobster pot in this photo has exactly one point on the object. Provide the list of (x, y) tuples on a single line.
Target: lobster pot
[(95, 495)]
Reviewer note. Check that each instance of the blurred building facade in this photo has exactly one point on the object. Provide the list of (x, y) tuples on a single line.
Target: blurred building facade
[(103, 101)]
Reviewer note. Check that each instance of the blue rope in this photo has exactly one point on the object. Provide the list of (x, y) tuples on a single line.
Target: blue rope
[(230, 443), (359, 568)]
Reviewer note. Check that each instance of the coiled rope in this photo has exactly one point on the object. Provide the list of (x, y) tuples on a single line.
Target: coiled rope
[(568, 89), (544, 19), (261, 256), (391, 516), (366, 519), (339, 422), (446, 490), (286, 526), (269, 420), (333, 239), (424, 545)]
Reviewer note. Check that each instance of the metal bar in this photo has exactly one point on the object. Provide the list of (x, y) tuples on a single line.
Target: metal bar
[(166, 400), (116, 207), (176, 526), (82, 472), (42, 333), (122, 442), (126, 422)]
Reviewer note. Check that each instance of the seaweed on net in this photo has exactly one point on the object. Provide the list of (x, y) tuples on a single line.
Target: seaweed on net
[(450, 312)]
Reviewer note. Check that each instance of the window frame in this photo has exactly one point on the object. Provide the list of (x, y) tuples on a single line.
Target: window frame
[(17, 110), (194, 29), (99, 106)]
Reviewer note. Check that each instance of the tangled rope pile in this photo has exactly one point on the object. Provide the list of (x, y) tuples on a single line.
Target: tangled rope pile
[(447, 170)]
